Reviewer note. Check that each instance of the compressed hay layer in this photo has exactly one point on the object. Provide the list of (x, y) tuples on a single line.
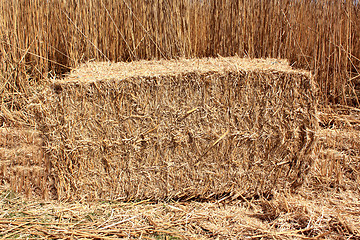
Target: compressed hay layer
[(347, 141), (338, 158), (22, 163), (180, 129)]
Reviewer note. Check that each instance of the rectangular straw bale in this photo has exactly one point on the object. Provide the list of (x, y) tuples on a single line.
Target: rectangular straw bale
[(22, 163), (180, 129)]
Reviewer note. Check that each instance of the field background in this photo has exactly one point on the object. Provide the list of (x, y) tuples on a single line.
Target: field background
[(42, 40)]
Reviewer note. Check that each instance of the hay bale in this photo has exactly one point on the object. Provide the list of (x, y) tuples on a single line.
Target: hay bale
[(22, 163), (180, 129)]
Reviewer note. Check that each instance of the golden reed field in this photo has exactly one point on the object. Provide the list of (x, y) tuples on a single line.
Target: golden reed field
[(179, 119)]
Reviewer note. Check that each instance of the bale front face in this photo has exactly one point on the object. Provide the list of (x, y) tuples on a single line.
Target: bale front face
[(192, 134)]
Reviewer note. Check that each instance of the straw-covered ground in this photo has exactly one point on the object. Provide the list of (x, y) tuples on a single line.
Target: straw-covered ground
[(308, 214)]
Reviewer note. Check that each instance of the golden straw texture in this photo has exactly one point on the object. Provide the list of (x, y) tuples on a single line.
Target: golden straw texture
[(22, 162), (185, 129)]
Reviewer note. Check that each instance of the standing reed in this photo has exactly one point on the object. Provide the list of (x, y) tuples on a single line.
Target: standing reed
[(46, 38)]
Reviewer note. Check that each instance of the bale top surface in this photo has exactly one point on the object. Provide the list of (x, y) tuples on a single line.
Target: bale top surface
[(95, 71)]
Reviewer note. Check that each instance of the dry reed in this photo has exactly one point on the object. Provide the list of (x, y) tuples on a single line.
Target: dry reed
[(46, 38)]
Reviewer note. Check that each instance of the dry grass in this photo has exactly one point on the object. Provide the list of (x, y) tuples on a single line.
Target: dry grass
[(308, 215), (40, 39)]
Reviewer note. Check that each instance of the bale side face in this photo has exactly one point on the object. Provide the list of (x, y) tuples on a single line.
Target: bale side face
[(191, 135)]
